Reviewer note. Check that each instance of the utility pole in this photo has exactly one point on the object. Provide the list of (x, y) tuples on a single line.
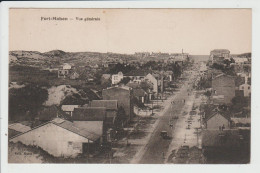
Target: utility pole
[(197, 131), (110, 153), (152, 107), (88, 152)]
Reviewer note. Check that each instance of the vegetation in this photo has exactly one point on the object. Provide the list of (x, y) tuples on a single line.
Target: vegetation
[(239, 103), (120, 118), (124, 68), (25, 102)]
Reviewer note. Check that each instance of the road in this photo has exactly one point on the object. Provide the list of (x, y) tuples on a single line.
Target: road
[(156, 148)]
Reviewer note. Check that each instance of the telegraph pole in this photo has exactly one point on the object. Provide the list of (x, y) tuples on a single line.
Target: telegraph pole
[(152, 107)]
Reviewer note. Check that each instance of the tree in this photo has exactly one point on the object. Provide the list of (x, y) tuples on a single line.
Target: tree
[(239, 102), (146, 86), (125, 80), (25, 102), (120, 118)]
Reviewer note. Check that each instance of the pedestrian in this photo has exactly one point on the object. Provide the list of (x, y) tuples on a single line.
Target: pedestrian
[(184, 100)]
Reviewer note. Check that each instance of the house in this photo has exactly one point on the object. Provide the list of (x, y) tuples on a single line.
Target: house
[(219, 53), (66, 66), (63, 73), (224, 85), (146, 86), (137, 75), (116, 78), (215, 141), (49, 112), (226, 146), (124, 96), (246, 88), (169, 75), (12, 58), (240, 61), (216, 119), (66, 72), (151, 78), (63, 138), (241, 122), (74, 75), (111, 109), (68, 109), (89, 114)]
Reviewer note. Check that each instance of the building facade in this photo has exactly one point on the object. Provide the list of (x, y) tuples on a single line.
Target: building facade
[(124, 96), (224, 85)]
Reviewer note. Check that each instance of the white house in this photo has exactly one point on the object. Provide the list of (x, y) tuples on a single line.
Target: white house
[(246, 88), (66, 66), (153, 80), (116, 78), (62, 138), (240, 60)]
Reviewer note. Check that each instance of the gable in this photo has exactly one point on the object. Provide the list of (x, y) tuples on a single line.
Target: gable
[(49, 132), (217, 116)]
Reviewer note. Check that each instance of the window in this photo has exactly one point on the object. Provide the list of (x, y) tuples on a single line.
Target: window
[(242, 87), (249, 87)]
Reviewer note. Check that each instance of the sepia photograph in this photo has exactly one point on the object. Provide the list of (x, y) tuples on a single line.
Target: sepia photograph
[(129, 86)]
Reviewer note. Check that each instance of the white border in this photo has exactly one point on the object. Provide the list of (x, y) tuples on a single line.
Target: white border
[(43, 168)]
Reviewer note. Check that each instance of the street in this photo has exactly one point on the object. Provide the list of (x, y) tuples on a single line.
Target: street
[(156, 148)]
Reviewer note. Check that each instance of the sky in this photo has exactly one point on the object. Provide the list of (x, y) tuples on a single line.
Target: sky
[(196, 31)]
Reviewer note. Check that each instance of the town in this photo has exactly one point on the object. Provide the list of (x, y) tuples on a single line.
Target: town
[(145, 107)]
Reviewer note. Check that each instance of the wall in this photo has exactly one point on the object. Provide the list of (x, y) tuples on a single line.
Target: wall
[(224, 85), (55, 140), (123, 97)]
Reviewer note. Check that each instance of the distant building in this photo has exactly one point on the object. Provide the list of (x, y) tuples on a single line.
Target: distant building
[(124, 96), (151, 78), (220, 53), (66, 66), (63, 73), (224, 85), (111, 109), (74, 75), (246, 88), (105, 78), (243, 84), (62, 138), (68, 109), (240, 61), (116, 78), (12, 58)]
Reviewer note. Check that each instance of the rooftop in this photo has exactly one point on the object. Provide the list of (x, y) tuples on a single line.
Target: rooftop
[(91, 130), (108, 104), (69, 108), (19, 127), (89, 114)]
